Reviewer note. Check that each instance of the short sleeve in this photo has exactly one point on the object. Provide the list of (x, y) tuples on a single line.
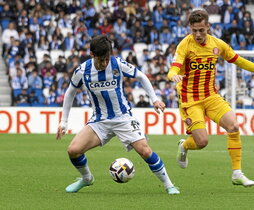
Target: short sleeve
[(76, 79), (180, 55), (227, 52)]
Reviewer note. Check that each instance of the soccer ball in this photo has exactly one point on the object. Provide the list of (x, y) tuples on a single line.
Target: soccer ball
[(121, 170)]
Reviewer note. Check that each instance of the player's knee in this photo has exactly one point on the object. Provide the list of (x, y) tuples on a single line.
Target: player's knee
[(145, 152), (73, 151), (202, 144), (233, 127)]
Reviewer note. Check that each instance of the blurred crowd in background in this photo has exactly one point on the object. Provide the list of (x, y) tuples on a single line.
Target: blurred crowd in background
[(44, 41)]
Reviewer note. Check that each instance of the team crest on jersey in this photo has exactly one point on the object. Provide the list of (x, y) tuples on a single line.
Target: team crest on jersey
[(115, 73), (188, 121), (216, 51)]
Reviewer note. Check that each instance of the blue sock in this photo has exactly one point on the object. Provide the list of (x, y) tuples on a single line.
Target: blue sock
[(157, 167), (154, 162), (79, 162), (81, 165)]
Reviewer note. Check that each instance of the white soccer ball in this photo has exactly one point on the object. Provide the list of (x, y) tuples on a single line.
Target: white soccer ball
[(121, 170)]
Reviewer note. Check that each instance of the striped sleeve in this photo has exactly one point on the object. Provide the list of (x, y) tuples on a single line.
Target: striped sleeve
[(76, 79)]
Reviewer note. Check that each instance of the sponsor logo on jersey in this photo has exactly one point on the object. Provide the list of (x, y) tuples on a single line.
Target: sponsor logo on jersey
[(202, 66), (103, 85), (216, 51)]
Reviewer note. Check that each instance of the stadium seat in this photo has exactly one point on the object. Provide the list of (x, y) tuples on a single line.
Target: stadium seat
[(39, 55), (139, 47), (136, 92), (214, 18), (72, 16), (16, 92), (54, 54), (23, 104), (125, 53), (152, 54), (4, 23), (110, 5), (67, 53), (247, 102), (151, 4), (65, 31), (164, 47), (139, 56)]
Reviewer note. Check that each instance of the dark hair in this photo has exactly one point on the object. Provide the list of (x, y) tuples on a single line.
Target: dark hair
[(197, 16), (101, 45)]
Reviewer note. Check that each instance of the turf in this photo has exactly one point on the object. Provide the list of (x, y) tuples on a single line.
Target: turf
[(35, 169)]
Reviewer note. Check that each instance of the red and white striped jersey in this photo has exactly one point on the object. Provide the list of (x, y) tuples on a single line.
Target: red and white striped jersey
[(197, 63)]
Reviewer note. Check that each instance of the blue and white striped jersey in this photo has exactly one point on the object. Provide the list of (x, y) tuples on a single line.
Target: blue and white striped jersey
[(105, 88)]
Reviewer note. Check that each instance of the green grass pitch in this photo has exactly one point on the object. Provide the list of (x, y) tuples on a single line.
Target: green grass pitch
[(35, 169)]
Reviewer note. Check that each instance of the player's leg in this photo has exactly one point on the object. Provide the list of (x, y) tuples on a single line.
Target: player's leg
[(220, 112), (128, 131), (85, 140), (230, 124), (155, 164), (195, 123)]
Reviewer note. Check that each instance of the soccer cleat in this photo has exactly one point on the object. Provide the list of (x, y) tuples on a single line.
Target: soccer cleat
[(182, 155), (242, 180), (172, 190), (79, 184)]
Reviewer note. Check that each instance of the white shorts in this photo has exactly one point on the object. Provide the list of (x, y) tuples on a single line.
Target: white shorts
[(125, 127)]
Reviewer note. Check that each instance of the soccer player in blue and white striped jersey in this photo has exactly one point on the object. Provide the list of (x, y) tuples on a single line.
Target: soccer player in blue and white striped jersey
[(102, 76)]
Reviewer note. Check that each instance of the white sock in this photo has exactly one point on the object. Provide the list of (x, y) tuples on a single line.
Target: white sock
[(236, 173), (163, 176), (86, 173)]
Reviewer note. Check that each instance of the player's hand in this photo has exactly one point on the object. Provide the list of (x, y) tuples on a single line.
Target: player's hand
[(178, 78), (62, 129), (159, 105)]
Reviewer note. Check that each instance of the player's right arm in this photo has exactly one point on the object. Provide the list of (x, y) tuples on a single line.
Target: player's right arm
[(76, 82), (178, 60)]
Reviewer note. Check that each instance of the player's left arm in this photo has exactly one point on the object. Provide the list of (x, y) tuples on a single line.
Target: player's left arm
[(229, 54), (244, 64), (146, 84), (131, 71)]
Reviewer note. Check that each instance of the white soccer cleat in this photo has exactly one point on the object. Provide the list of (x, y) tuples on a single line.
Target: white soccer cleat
[(173, 190), (240, 179), (182, 155)]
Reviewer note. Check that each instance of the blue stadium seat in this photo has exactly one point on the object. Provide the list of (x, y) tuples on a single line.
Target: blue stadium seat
[(5, 23), (16, 92), (23, 104)]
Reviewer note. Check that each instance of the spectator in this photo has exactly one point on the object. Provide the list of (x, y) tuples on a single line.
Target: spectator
[(33, 98), (60, 64), (119, 13), (48, 68), (6, 36), (69, 42), (19, 81), (132, 59), (142, 103), (213, 8), (106, 27), (22, 98), (34, 80), (120, 26)]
